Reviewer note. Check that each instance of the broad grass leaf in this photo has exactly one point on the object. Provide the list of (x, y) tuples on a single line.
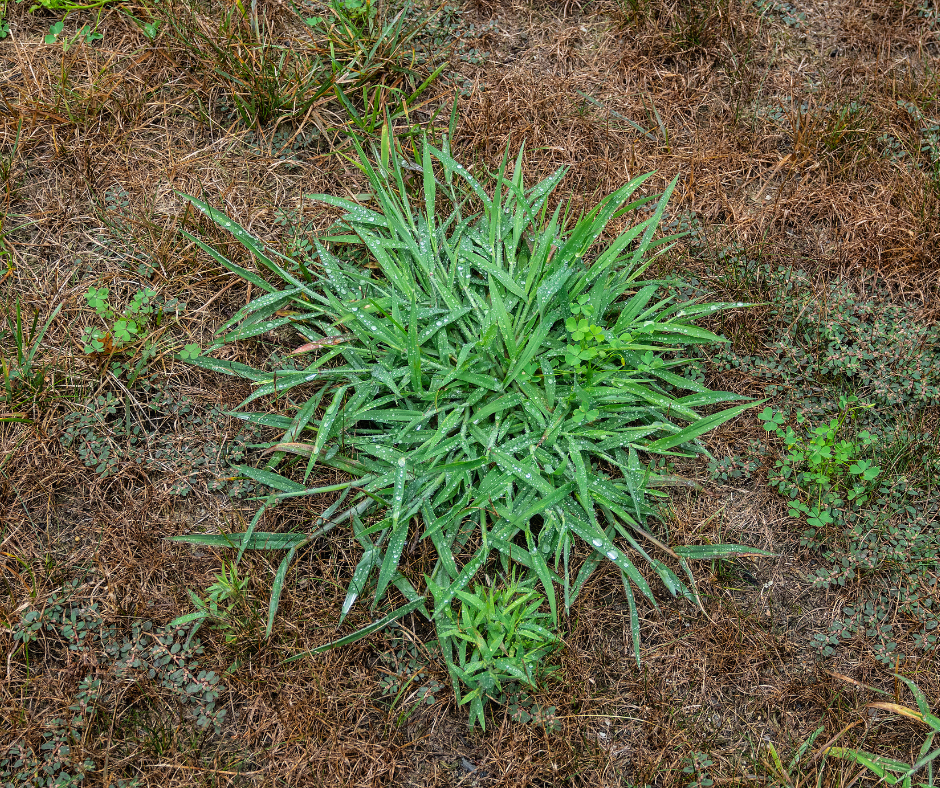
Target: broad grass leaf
[(259, 540), (700, 427), (276, 588), (271, 479), (365, 631)]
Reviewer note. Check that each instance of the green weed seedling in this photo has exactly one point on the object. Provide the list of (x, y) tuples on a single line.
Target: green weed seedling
[(790, 775), (226, 606), (696, 766), (499, 637), (356, 12), (441, 388), (788, 13), (408, 679), (85, 34), (819, 470), (522, 707), (149, 29), (128, 330)]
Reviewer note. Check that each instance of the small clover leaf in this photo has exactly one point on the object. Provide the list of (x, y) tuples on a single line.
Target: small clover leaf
[(55, 30)]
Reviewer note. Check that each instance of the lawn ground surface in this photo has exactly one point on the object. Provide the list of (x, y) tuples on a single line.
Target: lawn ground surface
[(805, 136)]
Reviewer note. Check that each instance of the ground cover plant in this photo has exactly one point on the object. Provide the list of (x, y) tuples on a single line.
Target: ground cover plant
[(475, 390), (143, 658), (801, 136), (857, 455)]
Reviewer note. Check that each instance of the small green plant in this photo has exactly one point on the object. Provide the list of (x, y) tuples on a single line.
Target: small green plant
[(696, 766), (128, 330), (789, 775), (736, 468), (788, 13), (356, 12), (69, 6), (24, 381), (125, 328), (889, 770), (522, 707), (819, 470), (588, 340), (226, 605), (149, 29), (409, 680), (498, 637), (86, 34)]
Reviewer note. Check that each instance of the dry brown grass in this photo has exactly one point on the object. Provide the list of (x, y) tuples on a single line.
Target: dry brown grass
[(698, 76)]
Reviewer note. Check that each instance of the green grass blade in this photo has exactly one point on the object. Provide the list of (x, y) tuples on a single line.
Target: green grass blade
[(399, 532), (709, 551), (276, 589), (700, 427), (359, 634), (634, 618), (359, 579), (259, 540), (271, 479)]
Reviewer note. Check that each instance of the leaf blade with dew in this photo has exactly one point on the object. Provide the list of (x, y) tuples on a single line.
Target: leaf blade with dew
[(365, 631), (708, 551), (700, 427), (634, 617), (325, 428), (399, 532), (243, 237), (359, 578), (880, 765), (244, 273), (276, 588), (259, 540), (271, 479)]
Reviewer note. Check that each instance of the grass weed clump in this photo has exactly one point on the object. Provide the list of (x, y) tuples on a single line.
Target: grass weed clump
[(455, 384), (359, 59), (890, 770), (499, 637), (93, 139), (24, 379), (682, 28)]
